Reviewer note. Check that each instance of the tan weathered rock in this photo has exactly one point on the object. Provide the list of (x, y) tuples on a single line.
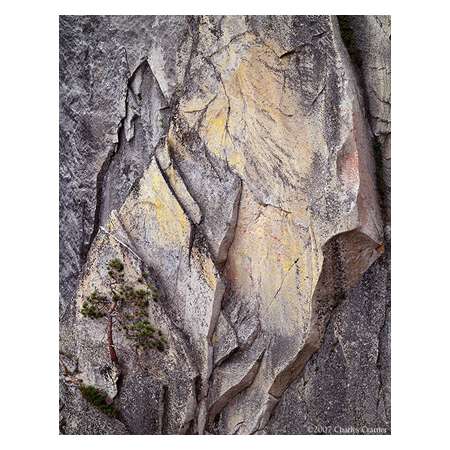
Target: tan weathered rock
[(272, 135), (257, 212)]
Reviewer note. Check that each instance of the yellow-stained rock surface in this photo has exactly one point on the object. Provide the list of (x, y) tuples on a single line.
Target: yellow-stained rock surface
[(258, 210)]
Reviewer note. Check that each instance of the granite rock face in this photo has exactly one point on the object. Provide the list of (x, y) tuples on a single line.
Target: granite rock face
[(240, 164)]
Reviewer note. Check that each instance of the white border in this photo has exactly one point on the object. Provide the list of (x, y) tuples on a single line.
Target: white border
[(29, 225)]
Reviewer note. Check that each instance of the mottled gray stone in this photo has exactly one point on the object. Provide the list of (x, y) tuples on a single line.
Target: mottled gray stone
[(242, 163), (77, 416), (141, 402), (347, 383), (101, 58)]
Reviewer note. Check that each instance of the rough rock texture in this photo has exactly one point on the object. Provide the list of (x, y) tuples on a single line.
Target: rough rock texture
[(242, 165)]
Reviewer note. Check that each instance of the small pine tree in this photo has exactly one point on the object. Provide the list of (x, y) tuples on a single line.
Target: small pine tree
[(125, 306)]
